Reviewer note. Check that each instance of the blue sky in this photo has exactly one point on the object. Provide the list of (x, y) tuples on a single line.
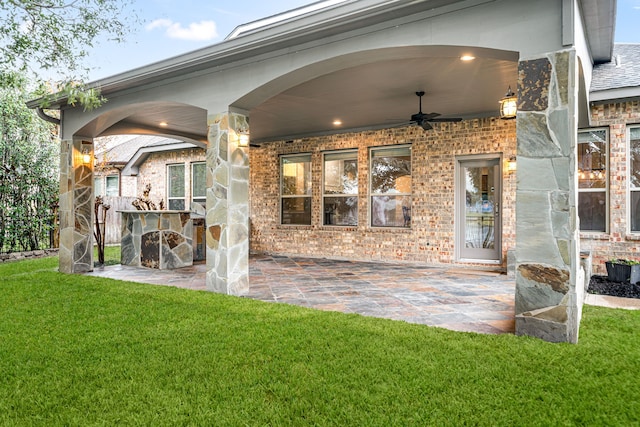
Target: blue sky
[(173, 27), (628, 21)]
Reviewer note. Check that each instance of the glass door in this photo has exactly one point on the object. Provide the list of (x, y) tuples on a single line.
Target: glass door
[(479, 197)]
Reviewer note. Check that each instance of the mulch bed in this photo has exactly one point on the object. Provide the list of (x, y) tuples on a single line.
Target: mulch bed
[(601, 285)]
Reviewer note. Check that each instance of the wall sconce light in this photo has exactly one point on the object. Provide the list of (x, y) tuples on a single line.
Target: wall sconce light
[(86, 156), (508, 105), (511, 164), (243, 139)]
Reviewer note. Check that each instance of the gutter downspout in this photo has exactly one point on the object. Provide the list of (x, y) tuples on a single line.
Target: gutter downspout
[(47, 118)]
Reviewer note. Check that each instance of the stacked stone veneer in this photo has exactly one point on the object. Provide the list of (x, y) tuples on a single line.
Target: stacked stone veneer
[(431, 237), (156, 239), (227, 218), (76, 208), (618, 242), (549, 281)]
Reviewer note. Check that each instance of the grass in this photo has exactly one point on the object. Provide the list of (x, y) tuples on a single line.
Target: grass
[(78, 350), (111, 255)]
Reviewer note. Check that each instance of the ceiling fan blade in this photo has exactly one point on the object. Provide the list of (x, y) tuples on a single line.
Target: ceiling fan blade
[(419, 117), (422, 119)]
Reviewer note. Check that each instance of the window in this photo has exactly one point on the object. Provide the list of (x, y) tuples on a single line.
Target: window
[(113, 186), (340, 188), (175, 185), (592, 180), (634, 181), (199, 183), (295, 185), (391, 187), (97, 186)]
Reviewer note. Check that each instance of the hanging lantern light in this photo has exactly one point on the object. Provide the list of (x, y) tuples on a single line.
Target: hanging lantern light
[(508, 105)]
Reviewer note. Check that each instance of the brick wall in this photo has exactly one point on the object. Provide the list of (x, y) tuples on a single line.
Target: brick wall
[(154, 171), (617, 242), (128, 184), (431, 238)]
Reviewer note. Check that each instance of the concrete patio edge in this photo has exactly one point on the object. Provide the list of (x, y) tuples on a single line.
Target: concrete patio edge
[(612, 302)]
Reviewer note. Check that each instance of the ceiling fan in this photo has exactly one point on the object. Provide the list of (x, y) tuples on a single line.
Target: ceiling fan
[(424, 120)]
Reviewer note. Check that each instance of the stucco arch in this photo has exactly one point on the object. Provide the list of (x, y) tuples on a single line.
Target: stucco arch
[(343, 62), (369, 89), (584, 115), (181, 121)]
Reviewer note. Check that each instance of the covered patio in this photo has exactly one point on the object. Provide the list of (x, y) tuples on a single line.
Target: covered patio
[(447, 297), (276, 104)]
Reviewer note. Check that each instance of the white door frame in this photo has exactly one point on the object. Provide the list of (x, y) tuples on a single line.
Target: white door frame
[(460, 205)]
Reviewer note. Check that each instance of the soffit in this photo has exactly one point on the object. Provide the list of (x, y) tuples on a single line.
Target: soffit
[(599, 20), (382, 95)]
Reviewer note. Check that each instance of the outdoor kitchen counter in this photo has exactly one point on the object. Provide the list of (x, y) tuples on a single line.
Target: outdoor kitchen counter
[(156, 239)]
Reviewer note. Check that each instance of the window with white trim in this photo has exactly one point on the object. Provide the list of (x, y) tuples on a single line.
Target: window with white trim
[(175, 187), (390, 186), (593, 153), (97, 186), (634, 179), (113, 186), (295, 189), (199, 183), (340, 188)]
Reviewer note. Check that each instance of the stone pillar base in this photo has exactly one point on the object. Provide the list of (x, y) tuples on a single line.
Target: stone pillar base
[(550, 324)]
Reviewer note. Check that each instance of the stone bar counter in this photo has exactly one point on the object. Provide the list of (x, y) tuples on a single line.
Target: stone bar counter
[(156, 239)]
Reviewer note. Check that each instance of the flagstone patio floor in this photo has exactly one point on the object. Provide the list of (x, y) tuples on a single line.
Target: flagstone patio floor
[(451, 298)]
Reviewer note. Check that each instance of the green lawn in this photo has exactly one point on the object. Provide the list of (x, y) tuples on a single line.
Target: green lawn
[(111, 255), (84, 351)]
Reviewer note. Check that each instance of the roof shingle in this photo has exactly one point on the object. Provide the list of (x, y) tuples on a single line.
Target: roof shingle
[(122, 153), (623, 70)]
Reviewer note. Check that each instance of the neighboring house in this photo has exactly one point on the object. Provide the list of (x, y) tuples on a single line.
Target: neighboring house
[(110, 159), (346, 162), (174, 169)]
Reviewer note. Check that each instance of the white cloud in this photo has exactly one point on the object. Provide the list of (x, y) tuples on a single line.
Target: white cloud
[(159, 23), (196, 31)]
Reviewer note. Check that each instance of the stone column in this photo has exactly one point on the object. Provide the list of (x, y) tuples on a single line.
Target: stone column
[(227, 220), (76, 206), (549, 280)]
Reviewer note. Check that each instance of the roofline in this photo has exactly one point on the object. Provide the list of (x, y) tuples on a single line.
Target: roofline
[(622, 94), (323, 23), (141, 155), (115, 164), (335, 19), (277, 19)]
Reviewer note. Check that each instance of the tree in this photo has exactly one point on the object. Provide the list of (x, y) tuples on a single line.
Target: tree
[(37, 35), (29, 172)]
